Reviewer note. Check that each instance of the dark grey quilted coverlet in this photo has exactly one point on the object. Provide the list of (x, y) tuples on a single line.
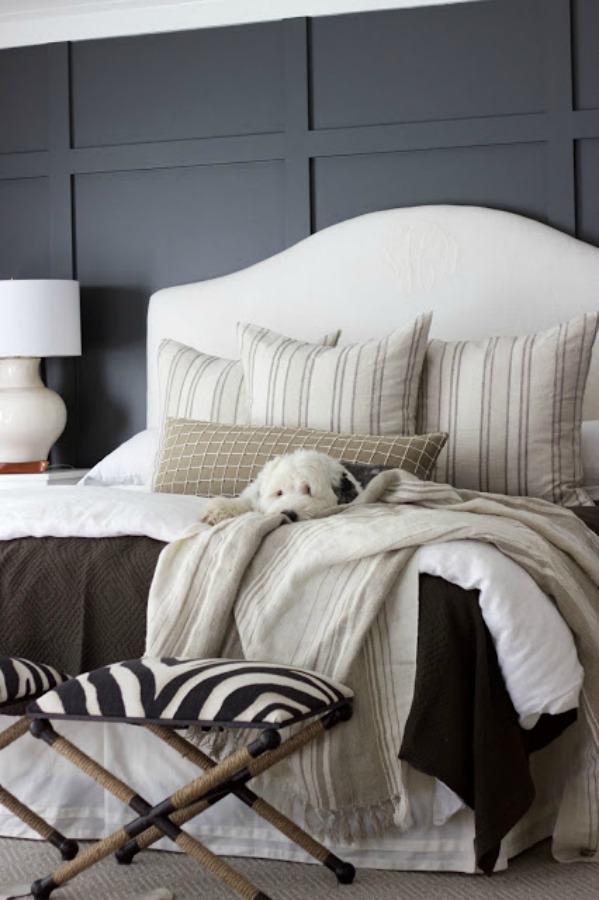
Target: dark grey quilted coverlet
[(76, 603)]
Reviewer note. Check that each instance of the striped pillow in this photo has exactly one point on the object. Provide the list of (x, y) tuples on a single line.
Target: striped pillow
[(367, 388), (208, 459), (21, 678), (200, 386), (225, 692), (513, 409)]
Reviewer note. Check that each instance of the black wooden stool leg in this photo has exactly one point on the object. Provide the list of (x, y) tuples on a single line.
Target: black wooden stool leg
[(43, 887), (156, 816), (343, 871), (67, 847)]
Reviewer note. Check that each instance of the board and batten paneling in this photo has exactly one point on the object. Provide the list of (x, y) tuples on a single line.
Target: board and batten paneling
[(512, 176), (137, 162), (169, 87), (23, 100), (427, 65), (208, 219)]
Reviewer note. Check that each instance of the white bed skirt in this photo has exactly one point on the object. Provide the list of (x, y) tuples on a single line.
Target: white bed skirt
[(81, 809)]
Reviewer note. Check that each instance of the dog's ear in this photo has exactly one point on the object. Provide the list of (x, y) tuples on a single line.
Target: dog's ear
[(252, 492), (345, 491)]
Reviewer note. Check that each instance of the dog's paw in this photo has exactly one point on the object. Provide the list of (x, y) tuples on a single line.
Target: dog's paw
[(221, 509)]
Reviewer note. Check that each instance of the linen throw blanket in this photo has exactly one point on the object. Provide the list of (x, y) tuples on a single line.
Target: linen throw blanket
[(339, 594)]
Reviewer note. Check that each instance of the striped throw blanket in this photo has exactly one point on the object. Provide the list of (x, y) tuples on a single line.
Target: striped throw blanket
[(339, 594)]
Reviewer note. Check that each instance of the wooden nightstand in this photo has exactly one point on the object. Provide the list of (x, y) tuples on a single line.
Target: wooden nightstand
[(49, 478)]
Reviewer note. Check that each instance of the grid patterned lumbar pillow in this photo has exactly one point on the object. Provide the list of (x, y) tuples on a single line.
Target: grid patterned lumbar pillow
[(513, 409), (209, 459), (200, 386), (367, 388)]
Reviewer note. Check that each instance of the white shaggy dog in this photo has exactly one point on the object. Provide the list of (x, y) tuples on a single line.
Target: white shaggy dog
[(300, 484)]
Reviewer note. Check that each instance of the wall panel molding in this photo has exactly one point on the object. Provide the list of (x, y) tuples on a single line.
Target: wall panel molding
[(561, 199), (61, 374), (298, 220)]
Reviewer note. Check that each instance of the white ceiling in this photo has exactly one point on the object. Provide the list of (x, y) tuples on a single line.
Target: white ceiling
[(24, 22)]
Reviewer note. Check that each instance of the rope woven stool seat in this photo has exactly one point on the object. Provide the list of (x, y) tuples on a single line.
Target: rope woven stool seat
[(165, 694), (22, 680)]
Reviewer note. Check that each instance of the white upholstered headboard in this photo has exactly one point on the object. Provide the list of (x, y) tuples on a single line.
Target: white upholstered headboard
[(483, 272)]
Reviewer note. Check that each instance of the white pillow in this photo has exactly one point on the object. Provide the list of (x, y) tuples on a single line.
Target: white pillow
[(366, 388), (589, 434), (132, 463)]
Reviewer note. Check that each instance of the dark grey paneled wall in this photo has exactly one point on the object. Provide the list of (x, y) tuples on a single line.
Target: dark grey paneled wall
[(134, 163)]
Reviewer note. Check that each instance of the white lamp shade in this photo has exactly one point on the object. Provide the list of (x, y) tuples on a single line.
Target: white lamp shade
[(40, 318)]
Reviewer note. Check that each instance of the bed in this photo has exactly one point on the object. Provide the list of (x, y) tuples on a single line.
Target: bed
[(482, 274)]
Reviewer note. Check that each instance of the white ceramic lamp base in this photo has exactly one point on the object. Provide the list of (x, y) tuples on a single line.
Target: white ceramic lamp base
[(32, 417)]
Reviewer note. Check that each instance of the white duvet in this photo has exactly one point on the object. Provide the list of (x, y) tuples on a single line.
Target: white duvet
[(534, 646)]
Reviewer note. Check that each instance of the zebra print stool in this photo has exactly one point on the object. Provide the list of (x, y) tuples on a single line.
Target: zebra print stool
[(164, 694), (21, 679)]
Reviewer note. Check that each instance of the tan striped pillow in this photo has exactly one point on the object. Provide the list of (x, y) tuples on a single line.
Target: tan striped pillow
[(208, 459), (367, 388), (513, 409), (200, 386)]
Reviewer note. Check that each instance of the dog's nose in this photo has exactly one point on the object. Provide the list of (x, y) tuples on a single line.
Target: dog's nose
[(291, 514)]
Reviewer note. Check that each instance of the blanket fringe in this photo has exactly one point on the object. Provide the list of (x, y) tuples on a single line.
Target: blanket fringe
[(344, 826), (341, 826)]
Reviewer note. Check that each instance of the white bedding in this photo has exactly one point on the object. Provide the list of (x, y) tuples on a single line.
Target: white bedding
[(535, 647), (96, 512)]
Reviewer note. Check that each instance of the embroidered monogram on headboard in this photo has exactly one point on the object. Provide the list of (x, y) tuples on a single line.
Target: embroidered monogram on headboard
[(421, 256)]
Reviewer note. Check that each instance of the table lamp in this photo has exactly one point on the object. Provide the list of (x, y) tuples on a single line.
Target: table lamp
[(38, 318)]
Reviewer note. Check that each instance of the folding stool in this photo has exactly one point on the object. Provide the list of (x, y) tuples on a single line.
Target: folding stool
[(164, 694), (23, 680)]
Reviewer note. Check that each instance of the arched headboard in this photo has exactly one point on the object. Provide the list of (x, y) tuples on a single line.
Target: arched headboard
[(482, 271)]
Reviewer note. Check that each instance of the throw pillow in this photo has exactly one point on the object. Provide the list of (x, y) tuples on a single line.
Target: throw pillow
[(513, 409), (200, 386), (366, 388), (208, 459)]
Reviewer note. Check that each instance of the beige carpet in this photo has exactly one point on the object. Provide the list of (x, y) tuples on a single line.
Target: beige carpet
[(533, 876)]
